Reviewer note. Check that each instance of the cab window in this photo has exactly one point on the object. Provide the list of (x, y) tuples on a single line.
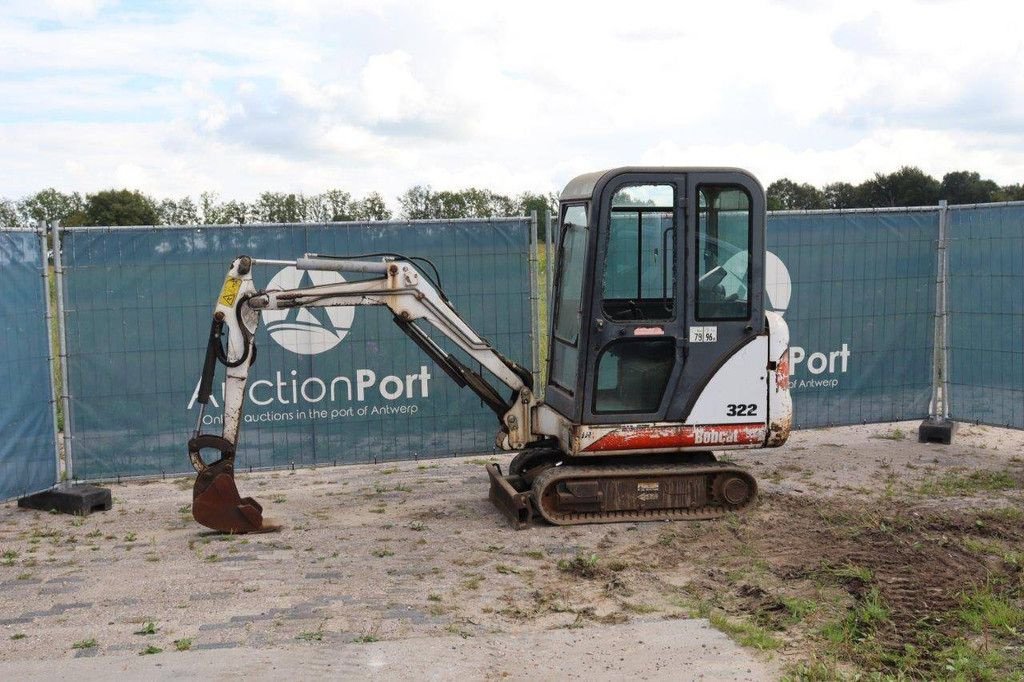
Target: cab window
[(723, 253), (571, 267), (640, 263)]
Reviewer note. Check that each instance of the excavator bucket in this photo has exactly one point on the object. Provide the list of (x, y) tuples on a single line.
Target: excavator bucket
[(216, 503)]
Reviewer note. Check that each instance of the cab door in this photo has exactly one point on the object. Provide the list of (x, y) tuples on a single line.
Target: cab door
[(724, 301), (636, 318)]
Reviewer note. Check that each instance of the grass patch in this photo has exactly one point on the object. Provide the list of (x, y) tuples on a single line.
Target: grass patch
[(582, 565), (891, 434), (149, 628), (984, 611), (367, 638), (18, 635), (745, 633), (183, 644), (150, 650), (860, 622), (955, 483), (85, 644), (310, 636), (472, 581), (798, 608), (853, 572)]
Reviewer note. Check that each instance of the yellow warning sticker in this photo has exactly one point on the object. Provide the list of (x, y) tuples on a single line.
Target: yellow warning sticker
[(230, 291)]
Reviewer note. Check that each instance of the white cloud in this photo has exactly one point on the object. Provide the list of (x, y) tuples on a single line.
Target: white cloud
[(303, 95)]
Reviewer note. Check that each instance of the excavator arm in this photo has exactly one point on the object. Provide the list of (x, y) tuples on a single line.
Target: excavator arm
[(413, 300)]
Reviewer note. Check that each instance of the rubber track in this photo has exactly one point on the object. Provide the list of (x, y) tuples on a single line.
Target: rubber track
[(569, 472)]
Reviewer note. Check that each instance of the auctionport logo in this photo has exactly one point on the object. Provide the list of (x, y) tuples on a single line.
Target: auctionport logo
[(778, 284), (307, 331), (779, 289)]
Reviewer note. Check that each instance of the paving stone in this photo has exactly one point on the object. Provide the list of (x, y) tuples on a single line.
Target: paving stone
[(216, 645), (207, 627), (411, 614), (57, 590)]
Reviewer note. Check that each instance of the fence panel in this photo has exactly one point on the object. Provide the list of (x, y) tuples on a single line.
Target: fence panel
[(341, 385), (857, 289), (28, 461), (986, 314)]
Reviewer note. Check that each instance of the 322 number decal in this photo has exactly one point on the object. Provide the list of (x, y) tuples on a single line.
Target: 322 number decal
[(741, 410)]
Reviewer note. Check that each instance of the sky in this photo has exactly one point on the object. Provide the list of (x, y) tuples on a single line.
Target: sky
[(238, 97)]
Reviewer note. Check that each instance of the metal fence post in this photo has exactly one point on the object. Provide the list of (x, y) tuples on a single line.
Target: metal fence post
[(550, 254), (937, 427), (534, 301), (58, 269), (53, 361)]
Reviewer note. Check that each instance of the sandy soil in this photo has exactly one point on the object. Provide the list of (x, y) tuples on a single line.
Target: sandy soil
[(414, 552)]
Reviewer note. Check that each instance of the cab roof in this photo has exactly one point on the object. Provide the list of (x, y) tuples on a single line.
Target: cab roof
[(582, 186)]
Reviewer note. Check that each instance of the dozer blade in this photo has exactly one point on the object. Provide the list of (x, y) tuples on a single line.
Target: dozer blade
[(216, 503), (513, 504)]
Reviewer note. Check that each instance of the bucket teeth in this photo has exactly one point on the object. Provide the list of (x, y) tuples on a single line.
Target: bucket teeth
[(216, 503)]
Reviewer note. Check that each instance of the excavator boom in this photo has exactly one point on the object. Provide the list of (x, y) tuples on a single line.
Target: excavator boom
[(397, 285)]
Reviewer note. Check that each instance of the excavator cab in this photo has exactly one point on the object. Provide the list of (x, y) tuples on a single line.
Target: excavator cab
[(660, 351), (660, 278)]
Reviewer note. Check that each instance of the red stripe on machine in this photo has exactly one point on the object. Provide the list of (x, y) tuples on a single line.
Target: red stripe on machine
[(655, 437)]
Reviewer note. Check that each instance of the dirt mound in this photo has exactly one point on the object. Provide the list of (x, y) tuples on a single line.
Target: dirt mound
[(896, 575)]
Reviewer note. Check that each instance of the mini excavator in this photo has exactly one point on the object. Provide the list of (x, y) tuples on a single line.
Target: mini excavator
[(661, 350)]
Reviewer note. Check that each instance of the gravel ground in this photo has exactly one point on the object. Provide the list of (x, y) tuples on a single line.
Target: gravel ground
[(411, 557)]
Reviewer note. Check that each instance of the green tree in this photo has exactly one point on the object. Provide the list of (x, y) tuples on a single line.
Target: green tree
[(9, 216), (209, 209), (370, 207), (909, 186), (966, 187), (120, 207), (422, 202), (178, 212), (841, 195), (452, 205), (237, 212), (1009, 193), (528, 202), (334, 205), (278, 207), (784, 194), (50, 205), (215, 212), (418, 203)]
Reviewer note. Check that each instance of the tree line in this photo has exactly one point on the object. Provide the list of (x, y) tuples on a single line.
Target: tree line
[(130, 207), (909, 186)]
